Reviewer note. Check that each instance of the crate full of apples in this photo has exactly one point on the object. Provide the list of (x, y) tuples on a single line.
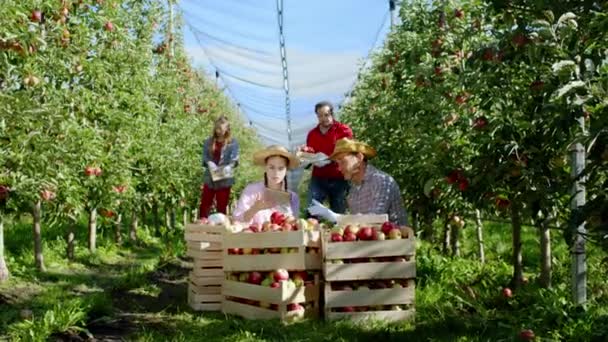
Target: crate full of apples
[(283, 294), (282, 243), (369, 269), (204, 245)]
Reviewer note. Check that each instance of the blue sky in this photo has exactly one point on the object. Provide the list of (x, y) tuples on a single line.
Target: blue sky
[(326, 43)]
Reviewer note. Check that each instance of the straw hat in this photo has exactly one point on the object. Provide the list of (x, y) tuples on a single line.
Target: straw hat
[(259, 157), (346, 145)]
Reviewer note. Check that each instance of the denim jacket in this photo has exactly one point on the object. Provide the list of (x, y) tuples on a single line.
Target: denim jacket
[(229, 155)]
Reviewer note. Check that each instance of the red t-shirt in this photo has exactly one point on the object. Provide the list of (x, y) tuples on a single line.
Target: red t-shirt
[(326, 143), (217, 152)]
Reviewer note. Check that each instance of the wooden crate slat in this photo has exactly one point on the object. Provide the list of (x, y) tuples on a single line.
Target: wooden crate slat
[(205, 298), (370, 271), (264, 262), (248, 311), (205, 255), (208, 272), (208, 263), (270, 295), (202, 237), (206, 306), (369, 219), (370, 249), (390, 316), (372, 297), (203, 281), (197, 227), (204, 289), (272, 239), (196, 245)]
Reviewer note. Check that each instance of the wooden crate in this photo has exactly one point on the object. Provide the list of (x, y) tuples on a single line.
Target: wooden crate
[(367, 262), (256, 302), (204, 245), (294, 240), (387, 304), (204, 298)]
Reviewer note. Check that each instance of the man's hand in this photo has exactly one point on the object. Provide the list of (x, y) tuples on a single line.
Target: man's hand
[(318, 209), (322, 163)]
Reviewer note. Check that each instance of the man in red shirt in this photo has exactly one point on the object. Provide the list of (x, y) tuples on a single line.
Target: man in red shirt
[(327, 182)]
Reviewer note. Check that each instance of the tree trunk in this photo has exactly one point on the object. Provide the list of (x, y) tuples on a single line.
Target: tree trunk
[(455, 241), (518, 270), (173, 218), (479, 227), (92, 230), (38, 257), (144, 213), (4, 273), (168, 217), (69, 238), (415, 223), (427, 232), (545, 254), (185, 216), (118, 230), (133, 227), (156, 217), (446, 237)]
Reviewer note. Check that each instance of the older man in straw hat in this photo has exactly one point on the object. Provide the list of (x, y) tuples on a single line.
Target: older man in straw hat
[(372, 191)]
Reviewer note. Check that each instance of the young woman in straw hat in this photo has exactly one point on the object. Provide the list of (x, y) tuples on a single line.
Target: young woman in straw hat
[(253, 205)]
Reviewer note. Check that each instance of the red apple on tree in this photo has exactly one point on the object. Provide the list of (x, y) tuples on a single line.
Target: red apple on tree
[(36, 16), (47, 195), (507, 293), (527, 335), (108, 26), (459, 13)]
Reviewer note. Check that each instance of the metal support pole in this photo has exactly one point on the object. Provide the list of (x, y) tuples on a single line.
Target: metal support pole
[(579, 265)]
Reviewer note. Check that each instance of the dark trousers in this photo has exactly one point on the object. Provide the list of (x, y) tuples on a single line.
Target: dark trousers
[(333, 190)]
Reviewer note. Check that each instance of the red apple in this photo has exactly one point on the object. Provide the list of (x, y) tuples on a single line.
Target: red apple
[(275, 285), (277, 218), (378, 235), (454, 176), (281, 275), (527, 335), (463, 185), (4, 191), (387, 226), (255, 278), (349, 236), (352, 229), (365, 233), (507, 293), (458, 13), (286, 227), (480, 123), (348, 309), (234, 251), (47, 195), (336, 237), (36, 16), (108, 26), (295, 307)]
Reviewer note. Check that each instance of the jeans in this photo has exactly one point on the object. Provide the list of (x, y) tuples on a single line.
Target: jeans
[(334, 190)]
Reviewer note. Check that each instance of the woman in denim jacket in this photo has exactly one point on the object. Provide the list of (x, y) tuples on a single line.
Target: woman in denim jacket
[(221, 150)]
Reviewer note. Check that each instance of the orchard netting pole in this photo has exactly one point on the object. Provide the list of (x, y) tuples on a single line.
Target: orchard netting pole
[(285, 74), (579, 266)]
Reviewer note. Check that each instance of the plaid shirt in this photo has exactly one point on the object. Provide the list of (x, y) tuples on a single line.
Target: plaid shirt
[(377, 194)]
